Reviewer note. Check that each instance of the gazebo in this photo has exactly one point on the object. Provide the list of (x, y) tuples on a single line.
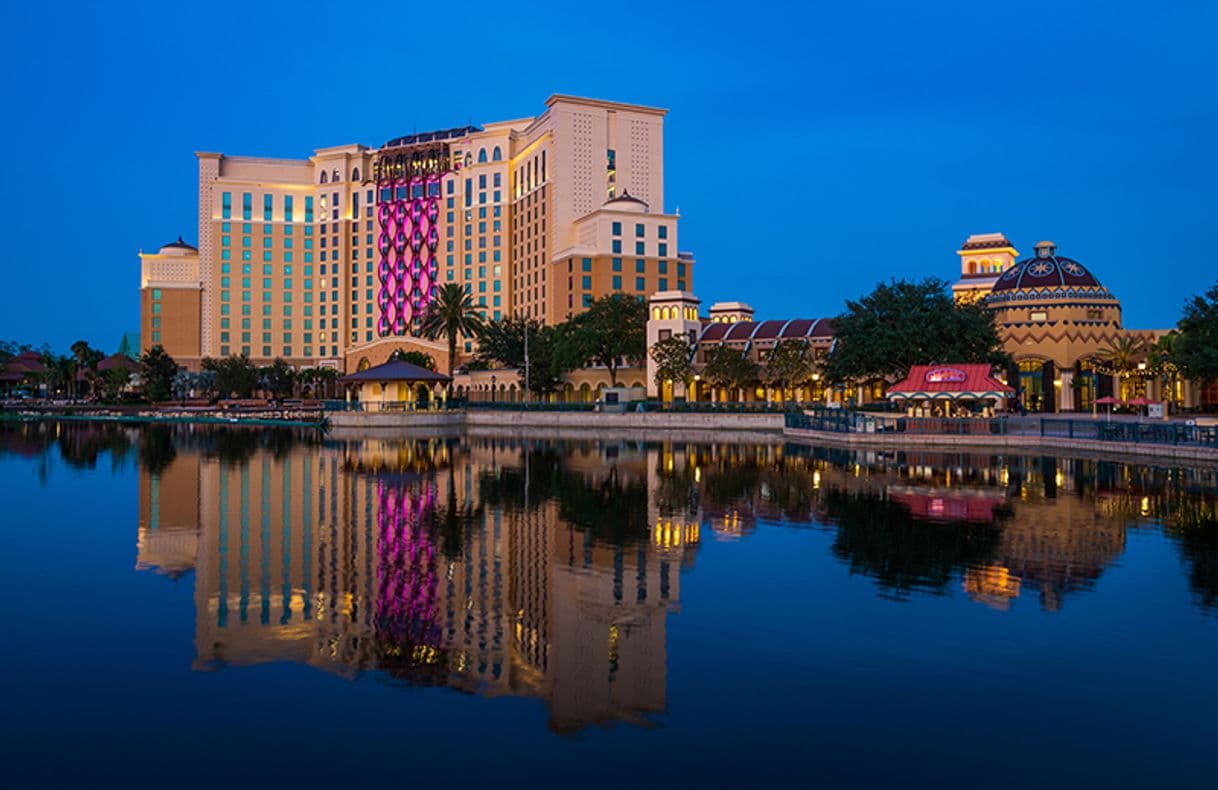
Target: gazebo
[(392, 385), (951, 385)]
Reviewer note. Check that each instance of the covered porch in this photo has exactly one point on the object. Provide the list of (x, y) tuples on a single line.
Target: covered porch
[(951, 391), (396, 386)]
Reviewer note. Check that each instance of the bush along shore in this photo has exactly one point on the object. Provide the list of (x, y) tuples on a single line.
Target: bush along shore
[(250, 411)]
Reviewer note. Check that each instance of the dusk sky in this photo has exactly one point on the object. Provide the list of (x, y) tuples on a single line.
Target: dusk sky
[(813, 149)]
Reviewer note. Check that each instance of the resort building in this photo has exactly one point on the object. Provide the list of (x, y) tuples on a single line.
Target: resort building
[(1061, 326), (331, 260)]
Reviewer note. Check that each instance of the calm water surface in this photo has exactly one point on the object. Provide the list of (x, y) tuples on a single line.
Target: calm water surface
[(227, 607)]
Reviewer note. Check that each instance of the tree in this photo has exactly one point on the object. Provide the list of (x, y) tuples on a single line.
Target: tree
[(451, 314), (58, 375), (414, 357), (193, 383), (502, 343), (325, 377), (672, 358), (1162, 357), (613, 328), (1124, 353), (1196, 350), (278, 377), (234, 375), (789, 364), (729, 367), (157, 370), (113, 381), (86, 361), (901, 324)]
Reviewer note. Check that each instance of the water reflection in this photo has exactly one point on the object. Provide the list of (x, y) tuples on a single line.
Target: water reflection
[(549, 569)]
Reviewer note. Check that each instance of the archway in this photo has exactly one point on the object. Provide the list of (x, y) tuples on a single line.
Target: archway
[(1035, 384)]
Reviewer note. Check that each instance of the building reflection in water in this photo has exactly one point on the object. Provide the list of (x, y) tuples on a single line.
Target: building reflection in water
[(548, 569), (488, 566)]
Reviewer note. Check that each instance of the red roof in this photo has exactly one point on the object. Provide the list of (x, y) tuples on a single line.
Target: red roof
[(951, 381)]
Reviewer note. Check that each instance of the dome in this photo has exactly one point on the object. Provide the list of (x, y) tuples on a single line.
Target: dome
[(1046, 269), (178, 247), (627, 202)]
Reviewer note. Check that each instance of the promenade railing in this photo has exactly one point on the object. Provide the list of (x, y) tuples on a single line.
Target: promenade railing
[(1123, 431)]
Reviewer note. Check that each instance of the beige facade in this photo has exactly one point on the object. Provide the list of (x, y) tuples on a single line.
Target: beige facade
[(535, 217), (170, 302)]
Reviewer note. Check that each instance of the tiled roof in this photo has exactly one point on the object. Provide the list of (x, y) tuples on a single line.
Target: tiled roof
[(774, 329), (1045, 272)]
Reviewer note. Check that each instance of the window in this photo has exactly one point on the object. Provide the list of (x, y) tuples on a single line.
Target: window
[(638, 248), (640, 266), (640, 283), (226, 205), (617, 283), (587, 283), (1039, 315), (617, 246), (662, 231), (324, 177), (587, 264), (640, 230), (481, 155), (617, 229)]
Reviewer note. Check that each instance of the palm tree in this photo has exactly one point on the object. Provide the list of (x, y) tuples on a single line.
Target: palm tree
[(451, 314), (1162, 356), (1125, 353)]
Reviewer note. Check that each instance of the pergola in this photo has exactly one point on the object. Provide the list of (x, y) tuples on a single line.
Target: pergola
[(392, 385), (951, 384)]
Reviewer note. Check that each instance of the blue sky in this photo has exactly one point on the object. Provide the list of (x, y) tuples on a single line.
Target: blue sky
[(813, 149)]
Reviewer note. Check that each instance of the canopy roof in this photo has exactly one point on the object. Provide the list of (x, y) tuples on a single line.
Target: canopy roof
[(396, 370), (950, 382)]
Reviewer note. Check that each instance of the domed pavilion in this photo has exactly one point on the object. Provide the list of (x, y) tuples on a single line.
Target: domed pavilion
[(1056, 318)]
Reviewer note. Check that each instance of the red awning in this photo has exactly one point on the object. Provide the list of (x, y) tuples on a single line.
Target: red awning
[(952, 382)]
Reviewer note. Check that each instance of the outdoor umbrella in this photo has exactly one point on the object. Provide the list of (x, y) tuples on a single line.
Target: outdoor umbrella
[(1109, 402), (1143, 401)]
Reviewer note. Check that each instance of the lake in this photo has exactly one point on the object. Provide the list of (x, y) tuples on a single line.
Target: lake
[(222, 606)]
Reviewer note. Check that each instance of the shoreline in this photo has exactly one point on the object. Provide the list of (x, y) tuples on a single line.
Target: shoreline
[(670, 426), (164, 419)]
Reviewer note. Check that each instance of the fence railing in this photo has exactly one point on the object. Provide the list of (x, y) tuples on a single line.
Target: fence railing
[(1172, 433)]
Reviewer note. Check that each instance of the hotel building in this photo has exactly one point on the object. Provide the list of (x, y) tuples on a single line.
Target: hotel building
[(331, 260)]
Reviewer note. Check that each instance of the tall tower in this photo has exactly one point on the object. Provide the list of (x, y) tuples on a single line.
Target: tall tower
[(670, 314), (408, 173), (983, 258)]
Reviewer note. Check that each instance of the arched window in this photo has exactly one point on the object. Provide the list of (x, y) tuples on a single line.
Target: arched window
[(655, 313), (324, 177), (355, 174), (336, 177), (496, 155), (481, 155)]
